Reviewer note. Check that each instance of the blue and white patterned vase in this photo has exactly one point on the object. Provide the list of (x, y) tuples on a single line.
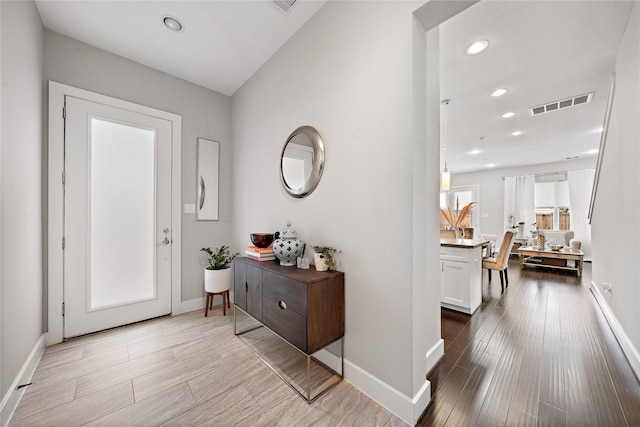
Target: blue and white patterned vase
[(287, 247)]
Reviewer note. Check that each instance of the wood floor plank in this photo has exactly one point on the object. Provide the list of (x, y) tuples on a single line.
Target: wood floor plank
[(605, 401), (500, 392), (446, 397), (468, 406), (552, 372), (526, 389), (485, 420), (472, 355), (548, 416), (579, 407)]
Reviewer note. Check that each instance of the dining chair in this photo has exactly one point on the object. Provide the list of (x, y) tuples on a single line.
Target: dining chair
[(501, 260)]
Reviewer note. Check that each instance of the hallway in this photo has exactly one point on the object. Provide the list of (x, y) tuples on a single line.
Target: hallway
[(543, 355)]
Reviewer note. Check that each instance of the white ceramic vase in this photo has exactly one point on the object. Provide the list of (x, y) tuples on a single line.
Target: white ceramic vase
[(287, 247), (321, 263)]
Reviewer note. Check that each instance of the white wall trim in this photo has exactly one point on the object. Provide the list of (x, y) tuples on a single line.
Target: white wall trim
[(191, 305), (407, 408), (435, 354), (57, 92), (12, 398), (627, 346)]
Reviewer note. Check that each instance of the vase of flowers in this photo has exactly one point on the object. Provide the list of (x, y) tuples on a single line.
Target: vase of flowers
[(455, 218)]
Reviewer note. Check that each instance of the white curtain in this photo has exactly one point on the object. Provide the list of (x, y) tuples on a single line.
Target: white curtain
[(519, 201), (580, 186)]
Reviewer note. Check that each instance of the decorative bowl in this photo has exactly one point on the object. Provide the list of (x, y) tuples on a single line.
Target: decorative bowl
[(556, 247), (262, 240)]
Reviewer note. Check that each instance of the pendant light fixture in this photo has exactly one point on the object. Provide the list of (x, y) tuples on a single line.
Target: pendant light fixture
[(445, 177)]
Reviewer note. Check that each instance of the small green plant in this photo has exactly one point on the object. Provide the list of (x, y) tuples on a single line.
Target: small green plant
[(220, 258), (326, 252)]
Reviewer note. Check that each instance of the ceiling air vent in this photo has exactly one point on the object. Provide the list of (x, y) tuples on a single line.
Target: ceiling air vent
[(559, 105), (283, 5)]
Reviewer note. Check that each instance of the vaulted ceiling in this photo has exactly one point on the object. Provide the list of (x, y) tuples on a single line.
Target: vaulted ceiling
[(541, 51)]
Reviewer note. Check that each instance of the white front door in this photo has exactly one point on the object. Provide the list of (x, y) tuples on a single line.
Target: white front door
[(117, 217)]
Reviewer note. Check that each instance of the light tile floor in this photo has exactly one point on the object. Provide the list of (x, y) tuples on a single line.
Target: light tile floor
[(177, 371)]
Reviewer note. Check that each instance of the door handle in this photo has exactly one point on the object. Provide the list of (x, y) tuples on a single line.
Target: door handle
[(166, 240)]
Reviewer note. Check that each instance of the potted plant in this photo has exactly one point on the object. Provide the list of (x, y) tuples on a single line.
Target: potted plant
[(217, 275), (323, 257)]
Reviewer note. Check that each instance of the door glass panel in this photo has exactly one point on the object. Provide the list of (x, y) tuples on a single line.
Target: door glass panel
[(121, 214)]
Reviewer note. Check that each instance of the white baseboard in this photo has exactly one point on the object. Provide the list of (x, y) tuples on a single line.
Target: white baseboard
[(190, 305), (195, 304), (404, 407), (628, 348), (435, 354), (12, 398)]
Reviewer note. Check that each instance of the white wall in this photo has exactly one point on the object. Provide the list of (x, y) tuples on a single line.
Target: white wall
[(205, 114), (491, 186), (20, 197), (349, 72), (618, 200)]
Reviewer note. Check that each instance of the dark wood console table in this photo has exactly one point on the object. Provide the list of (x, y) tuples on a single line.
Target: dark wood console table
[(305, 308)]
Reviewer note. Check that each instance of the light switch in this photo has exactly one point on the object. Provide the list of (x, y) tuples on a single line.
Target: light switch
[(189, 208)]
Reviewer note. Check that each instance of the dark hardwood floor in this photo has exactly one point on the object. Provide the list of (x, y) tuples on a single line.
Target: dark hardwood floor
[(542, 354)]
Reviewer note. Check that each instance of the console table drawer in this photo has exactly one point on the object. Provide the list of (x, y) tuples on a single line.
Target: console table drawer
[(280, 288), (287, 323)]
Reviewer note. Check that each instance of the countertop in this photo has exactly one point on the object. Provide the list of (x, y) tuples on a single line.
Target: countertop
[(463, 243)]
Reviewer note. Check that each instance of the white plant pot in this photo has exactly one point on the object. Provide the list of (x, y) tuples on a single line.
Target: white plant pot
[(216, 281), (321, 264)]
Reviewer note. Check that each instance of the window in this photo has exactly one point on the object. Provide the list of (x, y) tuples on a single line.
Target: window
[(463, 195), (552, 205)]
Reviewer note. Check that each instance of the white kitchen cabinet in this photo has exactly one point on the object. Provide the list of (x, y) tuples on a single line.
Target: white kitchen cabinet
[(461, 274)]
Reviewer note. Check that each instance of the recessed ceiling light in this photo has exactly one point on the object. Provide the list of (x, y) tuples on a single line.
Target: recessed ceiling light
[(491, 165), (598, 130), (592, 151), (516, 133), (476, 47), (474, 152), (508, 114), (172, 23), (499, 92)]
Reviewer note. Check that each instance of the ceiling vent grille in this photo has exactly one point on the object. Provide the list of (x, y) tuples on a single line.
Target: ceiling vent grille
[(559, 105), (283, 5)]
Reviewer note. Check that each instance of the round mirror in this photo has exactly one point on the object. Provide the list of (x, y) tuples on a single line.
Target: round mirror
[(302, 161)]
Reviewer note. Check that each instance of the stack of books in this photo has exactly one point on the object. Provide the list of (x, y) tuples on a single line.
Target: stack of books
[(260, 254)]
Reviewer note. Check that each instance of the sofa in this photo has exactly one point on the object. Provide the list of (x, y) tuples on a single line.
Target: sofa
[(560, 237)]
